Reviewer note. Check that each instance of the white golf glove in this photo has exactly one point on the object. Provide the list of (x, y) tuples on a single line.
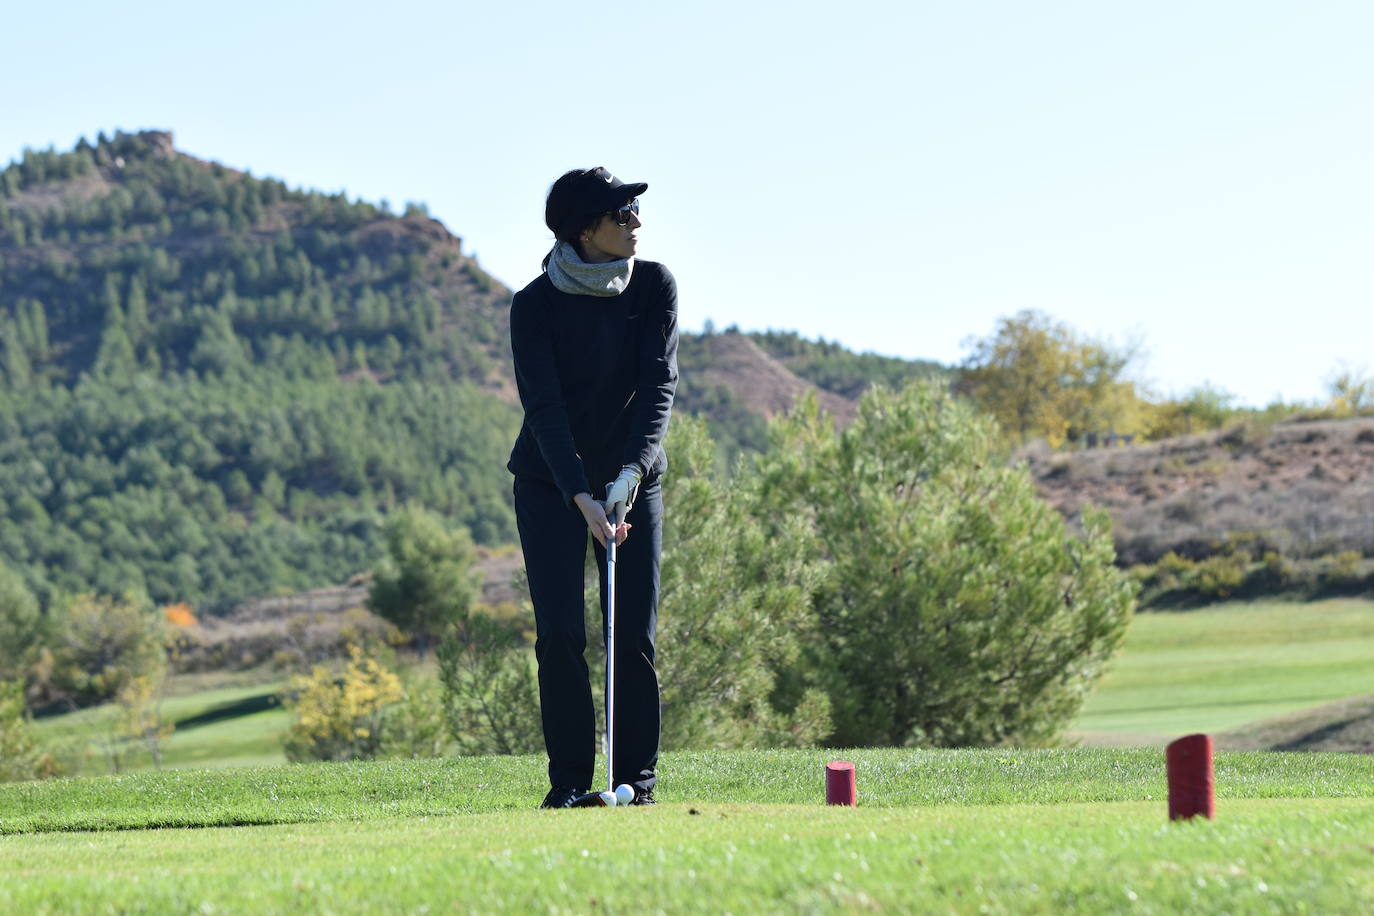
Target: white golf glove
[(622, 490)]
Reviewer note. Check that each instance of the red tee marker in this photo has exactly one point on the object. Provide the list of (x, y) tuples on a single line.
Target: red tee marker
[(1188, 762), (839, 783)]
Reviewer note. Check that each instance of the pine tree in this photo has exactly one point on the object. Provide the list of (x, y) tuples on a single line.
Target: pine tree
[(340, 355), (136, 318), (110, 298), (218, 349), (38, 327), (116, 358), (18, 371)]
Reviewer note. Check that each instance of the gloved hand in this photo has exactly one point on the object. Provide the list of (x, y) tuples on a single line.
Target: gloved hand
[(622, 490)]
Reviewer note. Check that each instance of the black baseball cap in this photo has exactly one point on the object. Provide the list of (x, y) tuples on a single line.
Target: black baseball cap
[(584, 193)]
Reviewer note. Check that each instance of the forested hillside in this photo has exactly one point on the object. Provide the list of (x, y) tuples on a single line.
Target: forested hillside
[(213, 386)]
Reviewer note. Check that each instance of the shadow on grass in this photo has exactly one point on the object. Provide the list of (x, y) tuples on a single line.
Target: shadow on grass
[(1213, 704), (237, 709)]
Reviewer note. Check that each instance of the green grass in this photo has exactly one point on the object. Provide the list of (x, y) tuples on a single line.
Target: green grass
[(889, 777), (1221, 668), (1209, 670), (962, 831), (238, 740), (1346, 725)]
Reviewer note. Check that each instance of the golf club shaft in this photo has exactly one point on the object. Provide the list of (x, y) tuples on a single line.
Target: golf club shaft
[(617, 519), (610, 665)]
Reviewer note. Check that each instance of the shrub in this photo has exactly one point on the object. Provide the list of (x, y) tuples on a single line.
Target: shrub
[(428, 581), (490, 701), (956, 608), (140, 713), (1345, 569), (104, 643), (1219, 576), (20, 756), (339, 717), (415, 726), (736, 609), (1172, 571), (1274, 573), (20, 624)]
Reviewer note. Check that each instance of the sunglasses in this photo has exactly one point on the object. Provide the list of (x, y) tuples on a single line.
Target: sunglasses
[(622, 215)]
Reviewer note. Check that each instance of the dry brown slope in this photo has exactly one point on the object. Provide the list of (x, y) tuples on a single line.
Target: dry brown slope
[(763, 384), (306, 627), (1304, 489)]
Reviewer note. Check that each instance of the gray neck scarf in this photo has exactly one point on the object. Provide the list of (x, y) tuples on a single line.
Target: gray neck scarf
[(571, 274)]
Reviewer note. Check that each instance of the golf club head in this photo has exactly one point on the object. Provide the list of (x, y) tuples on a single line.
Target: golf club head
[(594, 800)]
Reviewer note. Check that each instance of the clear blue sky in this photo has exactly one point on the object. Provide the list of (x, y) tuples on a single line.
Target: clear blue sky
[(895, 176)]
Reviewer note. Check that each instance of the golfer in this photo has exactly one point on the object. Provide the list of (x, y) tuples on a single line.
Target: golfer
[(594, 338)]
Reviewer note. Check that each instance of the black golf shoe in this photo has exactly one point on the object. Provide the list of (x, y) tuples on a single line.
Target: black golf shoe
[(560, 797), (643, 797)]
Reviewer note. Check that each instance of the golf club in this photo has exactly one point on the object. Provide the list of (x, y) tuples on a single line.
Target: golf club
[(600, 799)]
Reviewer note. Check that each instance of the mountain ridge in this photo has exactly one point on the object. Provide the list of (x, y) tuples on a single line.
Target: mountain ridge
[(215, 386)]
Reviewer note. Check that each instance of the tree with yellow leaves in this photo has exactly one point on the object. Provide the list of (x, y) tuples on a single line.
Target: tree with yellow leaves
[(1040, 379), (140, 712), (339, 717), (1352, 391)]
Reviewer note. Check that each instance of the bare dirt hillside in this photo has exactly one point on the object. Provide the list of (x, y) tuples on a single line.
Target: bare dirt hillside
[(1303, 489), (762, 383), (308, 627)]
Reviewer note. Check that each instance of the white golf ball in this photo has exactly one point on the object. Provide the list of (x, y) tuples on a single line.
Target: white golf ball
[(608, 799), (624, 793)]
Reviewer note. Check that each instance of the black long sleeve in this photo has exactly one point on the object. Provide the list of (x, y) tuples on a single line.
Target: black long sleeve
[(541, 394), (657, 382), (596, 377)]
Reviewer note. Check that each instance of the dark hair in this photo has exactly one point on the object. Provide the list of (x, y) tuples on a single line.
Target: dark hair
[(565, 212)]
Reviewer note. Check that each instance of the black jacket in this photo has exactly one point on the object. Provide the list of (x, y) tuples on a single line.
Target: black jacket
[(596, 378)]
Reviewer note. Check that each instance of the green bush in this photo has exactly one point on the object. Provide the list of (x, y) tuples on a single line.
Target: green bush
[(735, 610), (20, 756), (1173, 570), (1345, 569), (21, 625), (1275, 573), (415, 726), (104, 643), (490, 700), (1217, 577), (428, 581), (955, 607)]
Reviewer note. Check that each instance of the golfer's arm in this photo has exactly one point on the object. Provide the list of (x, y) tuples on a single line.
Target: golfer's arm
[(541, 395), (657, 383)]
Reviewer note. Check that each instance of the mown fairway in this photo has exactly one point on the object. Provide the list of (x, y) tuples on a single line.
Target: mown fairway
[(1219, 668), (221, 726), (1180, 672), (996, 831)]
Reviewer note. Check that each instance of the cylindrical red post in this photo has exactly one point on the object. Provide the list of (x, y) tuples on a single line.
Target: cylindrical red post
[(1191, 786), (839, 783)]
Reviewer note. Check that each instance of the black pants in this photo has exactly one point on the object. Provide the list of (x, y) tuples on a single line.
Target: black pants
[(554, 538)]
